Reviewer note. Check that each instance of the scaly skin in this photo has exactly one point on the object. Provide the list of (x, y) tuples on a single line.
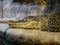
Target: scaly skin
[(46, 22)]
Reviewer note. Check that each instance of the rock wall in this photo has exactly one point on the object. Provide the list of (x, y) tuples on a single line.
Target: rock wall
[(12, 9)]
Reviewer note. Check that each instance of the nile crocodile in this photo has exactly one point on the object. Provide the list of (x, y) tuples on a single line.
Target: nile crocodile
[(46, 22)]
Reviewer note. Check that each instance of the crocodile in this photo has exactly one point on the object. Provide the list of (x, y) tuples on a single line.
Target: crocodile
[(46, 22)]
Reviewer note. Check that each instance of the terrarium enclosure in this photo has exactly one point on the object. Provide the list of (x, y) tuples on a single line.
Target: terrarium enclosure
[(30, 22)]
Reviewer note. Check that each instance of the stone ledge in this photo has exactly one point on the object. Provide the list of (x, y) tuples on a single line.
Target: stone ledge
[(23, 35)]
